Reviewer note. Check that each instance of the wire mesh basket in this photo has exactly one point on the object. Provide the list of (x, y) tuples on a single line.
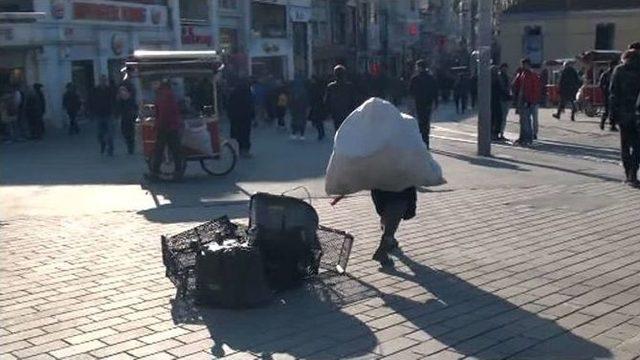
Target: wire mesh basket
[(179, 251), (336, 249)]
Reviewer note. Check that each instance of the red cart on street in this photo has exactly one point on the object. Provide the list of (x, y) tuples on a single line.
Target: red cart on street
[(590, 97), (201, 140)]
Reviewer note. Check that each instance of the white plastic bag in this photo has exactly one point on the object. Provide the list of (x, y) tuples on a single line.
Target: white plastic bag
[(196, 136), (377, 147)]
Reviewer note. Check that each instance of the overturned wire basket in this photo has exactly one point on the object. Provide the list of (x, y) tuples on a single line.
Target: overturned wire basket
[(179, 252)]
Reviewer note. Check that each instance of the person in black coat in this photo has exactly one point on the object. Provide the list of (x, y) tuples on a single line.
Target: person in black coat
[(624, 91), (127, 110), (569, 85), (71, 104), (605, 81), (35, 107), (240, 110), (496, 105), (341, 96), (317, 112), (461, 93), (424, 89)]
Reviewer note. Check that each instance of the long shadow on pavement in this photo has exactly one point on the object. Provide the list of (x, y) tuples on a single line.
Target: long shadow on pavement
[(476, 323), (304, 323), (480, 161)]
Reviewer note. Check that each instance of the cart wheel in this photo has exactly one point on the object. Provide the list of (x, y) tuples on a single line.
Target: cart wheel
[(590, 110), (222, 163)]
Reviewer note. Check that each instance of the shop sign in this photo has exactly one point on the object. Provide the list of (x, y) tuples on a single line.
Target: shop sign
[(108, 11), (196, 35), (117, 44), (57, 9), (299, 13)]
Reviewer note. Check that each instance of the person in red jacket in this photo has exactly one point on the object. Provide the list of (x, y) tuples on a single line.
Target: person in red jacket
[(168, 126), (527, 92)]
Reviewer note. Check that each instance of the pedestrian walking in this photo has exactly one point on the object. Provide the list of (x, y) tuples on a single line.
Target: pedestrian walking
[(396, 90), (71, 104), (505, 98), (526, 88), (473, 90), (126, 109), (35, 107), (299, 108), (392, 207), (605, 82), (461, 92), (317, 112), (168, 125), (341, 97), (496, 104), (424, 89), (569, 85), (102, 98), (624, 93), (241, 111), (282, 103), (13, 105)]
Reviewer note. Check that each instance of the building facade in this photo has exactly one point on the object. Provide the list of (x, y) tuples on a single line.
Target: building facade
[(76, 40), (540, 33)]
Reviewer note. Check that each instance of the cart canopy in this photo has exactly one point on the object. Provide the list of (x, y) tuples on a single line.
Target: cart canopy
[(600, 56), (147, 62), (559, 62)]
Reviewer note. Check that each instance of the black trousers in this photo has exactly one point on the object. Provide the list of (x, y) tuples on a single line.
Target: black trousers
[(629, 143), (563, 103), (171, 139), (606, 114), (461, 103), (36, 127), (127, 126), (424, 121), (241, 132), (73, 123)]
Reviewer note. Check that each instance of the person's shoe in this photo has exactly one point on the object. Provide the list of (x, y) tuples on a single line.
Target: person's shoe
[(383, 258), (613, 128), (557, 116), (302, 138), (293, 137), (535, 137), (602, 125), (245, 154)]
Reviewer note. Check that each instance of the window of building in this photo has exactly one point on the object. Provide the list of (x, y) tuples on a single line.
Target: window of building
[(194, 10), (228, 4), (532, 45), (269, 20), (412, 5), (16, 6), (338, 25), (605, 35)]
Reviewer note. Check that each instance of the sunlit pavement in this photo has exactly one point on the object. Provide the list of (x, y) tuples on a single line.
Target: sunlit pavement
[(530, 254)]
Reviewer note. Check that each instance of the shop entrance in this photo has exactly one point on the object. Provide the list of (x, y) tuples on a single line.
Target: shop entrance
[(82, 77)]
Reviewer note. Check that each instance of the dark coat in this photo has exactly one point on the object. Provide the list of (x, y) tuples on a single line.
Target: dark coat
[(340, 99), (424, 89), (71, 102), (35, 105), (569, 83), (102, 98), (127, 109), (624, 88), (382, 198)]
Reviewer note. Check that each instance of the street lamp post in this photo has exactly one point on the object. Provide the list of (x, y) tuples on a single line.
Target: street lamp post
[(484, 77)]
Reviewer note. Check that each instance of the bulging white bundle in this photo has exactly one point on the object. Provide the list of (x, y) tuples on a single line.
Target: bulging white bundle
[(377, 147)]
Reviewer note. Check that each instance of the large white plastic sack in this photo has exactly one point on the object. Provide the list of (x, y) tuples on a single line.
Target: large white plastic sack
[(196, 136), (377, 147)]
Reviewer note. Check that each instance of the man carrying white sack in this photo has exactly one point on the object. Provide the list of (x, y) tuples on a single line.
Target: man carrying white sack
[(379, 149)]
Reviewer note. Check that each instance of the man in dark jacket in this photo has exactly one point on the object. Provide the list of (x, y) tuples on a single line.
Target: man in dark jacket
[(102, 99), (605, 81), (341, 97), (35, 107), (241, 111), (424, 89), (569, 85), (624, 90), (71, 104)]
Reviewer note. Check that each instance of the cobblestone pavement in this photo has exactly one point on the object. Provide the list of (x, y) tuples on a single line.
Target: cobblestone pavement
[(539, 260)]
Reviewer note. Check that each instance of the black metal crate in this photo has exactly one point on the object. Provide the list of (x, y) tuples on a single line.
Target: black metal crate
[(336, 249)]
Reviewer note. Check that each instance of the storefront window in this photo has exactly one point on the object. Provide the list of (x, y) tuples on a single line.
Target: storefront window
[(194, 10), (16, 6), (268, 20)]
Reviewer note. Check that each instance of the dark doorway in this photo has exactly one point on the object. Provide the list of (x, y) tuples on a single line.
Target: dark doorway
[(82, 77), (605, 35), (300, 49)]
